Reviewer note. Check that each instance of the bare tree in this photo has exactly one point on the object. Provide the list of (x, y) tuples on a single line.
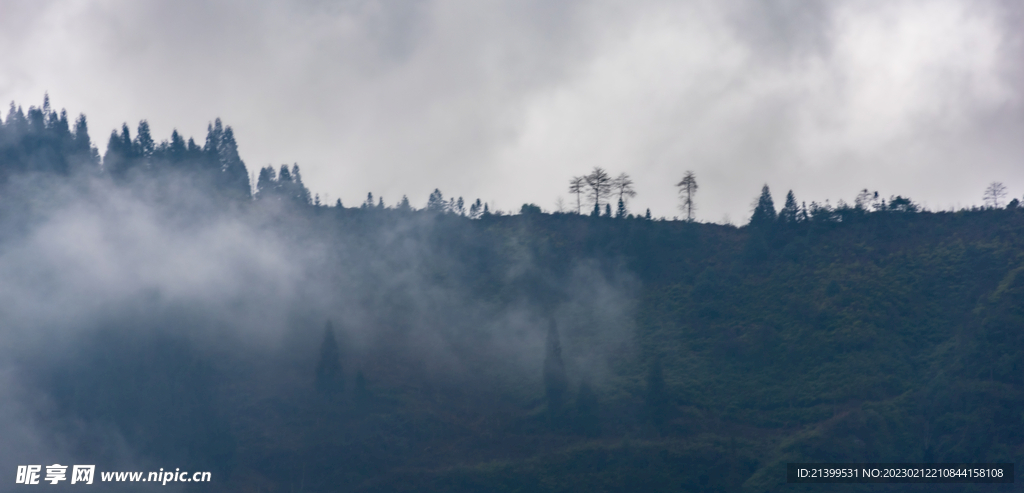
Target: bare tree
[(687, 189), (623, 185), (576, 186), (994, 194), (600, 184)]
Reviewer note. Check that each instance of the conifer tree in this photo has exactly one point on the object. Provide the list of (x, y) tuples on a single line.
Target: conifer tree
[(329, 377), (555, 382), (764, 210), (790, 213), (600, 184), (266, 183), (436, 203), (687, 189), (577, 185), (620, 212), (143, 145)]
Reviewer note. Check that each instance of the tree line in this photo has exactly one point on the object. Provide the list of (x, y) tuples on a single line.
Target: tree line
[(42, 140)]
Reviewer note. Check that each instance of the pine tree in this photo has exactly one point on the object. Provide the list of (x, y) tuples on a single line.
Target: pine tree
[(329, 377), (436, 203), (120, 157), (234, 177), (555, 382), (647, 216), (620, 212), (764, 211), (577, 185), (143, 145), (790, 213), (607, 210), (600, 184), (687, 189), (266, 184)]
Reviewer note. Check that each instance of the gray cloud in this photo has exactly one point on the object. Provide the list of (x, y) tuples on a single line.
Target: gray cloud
[(507, 100)]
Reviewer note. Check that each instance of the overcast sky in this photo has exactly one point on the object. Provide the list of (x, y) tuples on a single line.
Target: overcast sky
[(507, 100)]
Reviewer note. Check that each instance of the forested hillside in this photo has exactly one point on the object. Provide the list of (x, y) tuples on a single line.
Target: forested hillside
[(162, 314)]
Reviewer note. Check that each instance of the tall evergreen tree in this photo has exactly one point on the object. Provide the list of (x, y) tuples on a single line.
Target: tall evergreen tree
[(764, 211), (555, 382), (119, 159), (623, 186), (329, 378), (620, 212), (436, 203), (266, 183), (687, 190), (790, 213), (577, 185), (143, 145), (234, 177), (600, 184)]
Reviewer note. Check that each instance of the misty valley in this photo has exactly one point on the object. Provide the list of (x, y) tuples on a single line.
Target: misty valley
[(161, 311)]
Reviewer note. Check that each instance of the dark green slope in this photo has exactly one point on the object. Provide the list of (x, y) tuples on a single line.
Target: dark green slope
[(888, 337)]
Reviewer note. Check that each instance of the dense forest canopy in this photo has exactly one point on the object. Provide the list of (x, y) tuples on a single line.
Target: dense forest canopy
[(164, 311)]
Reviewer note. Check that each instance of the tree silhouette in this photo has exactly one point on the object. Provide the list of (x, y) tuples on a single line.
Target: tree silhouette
[(764, 210), (329, 378), (436, 203), (623, 186), (790, 213), (555, 382), (687, 189), (599, 183), (994, 194), (403, 205), (577, 185)]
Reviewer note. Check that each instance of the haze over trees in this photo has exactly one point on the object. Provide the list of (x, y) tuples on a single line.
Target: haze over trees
[(162, 314)]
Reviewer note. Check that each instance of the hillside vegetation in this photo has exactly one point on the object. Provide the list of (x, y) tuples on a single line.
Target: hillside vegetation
[(169, 318)]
